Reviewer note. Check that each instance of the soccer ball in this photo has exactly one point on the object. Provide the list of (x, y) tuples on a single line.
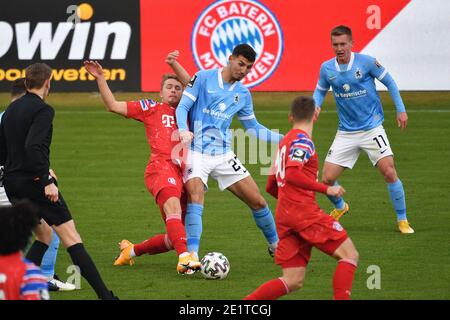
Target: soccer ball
[(215, 266)]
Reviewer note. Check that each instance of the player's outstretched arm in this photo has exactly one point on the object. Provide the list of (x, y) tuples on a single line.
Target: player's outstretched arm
[(402, 117), (112, 105), (379, 72), (253, 127), (181, 73), (320, 92)]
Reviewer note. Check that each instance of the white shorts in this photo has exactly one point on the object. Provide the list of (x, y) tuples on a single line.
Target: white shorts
[(4, 201), (347, 145), (227, 169)]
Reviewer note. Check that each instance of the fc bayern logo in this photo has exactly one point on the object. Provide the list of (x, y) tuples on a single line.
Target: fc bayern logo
[(337, 226), (225, 24)]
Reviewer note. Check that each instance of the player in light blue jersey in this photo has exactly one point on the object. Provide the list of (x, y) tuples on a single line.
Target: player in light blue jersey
[(352, 78), (212, 98)]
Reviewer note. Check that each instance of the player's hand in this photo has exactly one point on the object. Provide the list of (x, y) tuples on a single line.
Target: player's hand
[(316, 114), (52, 173), (172, 57), (94, 68), (51, 192), (186, 136), (335, 191), (402, 120)]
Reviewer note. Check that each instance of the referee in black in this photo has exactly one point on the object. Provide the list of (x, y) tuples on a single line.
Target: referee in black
[(25, 138)]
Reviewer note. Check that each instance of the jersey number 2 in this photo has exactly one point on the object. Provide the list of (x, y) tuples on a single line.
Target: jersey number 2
[(236, 167)]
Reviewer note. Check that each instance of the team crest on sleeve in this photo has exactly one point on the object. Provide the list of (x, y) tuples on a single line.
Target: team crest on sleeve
[(147, 103), (298, 155), (337, 226), (192, 81), (225, 24)]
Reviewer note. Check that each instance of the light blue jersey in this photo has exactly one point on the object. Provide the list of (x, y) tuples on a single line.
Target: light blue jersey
[(212, 104), (1, 115), (357, 100)]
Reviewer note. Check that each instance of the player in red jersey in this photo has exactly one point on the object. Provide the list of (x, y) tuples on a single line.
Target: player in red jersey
[(301, 224), (163, 176), (20, 279)]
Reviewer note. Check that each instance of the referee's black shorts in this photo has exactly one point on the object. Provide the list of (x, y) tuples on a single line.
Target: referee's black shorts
[(54, 213)]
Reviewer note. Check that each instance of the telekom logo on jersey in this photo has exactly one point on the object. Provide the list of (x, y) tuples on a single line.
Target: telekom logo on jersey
[(168, 121)]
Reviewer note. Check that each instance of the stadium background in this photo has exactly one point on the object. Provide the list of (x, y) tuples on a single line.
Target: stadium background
[(100, 158), (291, 38)]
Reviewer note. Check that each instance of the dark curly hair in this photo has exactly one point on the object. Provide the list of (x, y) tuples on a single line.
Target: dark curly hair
[(17, 224)]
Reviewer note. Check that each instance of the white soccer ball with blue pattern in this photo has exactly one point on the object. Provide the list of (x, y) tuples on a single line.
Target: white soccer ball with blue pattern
[(215, 266)]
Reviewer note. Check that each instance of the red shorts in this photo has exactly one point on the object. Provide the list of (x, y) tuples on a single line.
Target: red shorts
[(297, 240), (161, 174), (164, 175)]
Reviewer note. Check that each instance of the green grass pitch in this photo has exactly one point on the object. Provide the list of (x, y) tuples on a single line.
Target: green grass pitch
[(100, 159)]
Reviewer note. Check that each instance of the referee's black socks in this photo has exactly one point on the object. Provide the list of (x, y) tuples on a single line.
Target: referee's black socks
[(36, 252), (89, 271)]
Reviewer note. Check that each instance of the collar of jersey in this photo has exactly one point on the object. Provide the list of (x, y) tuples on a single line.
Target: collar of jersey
[(220, 80), (349, 66), (165, 104)]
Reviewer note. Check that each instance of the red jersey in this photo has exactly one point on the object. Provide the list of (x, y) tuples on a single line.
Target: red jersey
[(296, 150), (21, 280), (161, 128)]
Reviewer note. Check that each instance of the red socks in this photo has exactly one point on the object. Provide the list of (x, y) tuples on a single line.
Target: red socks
[(270, 290), (342, 284), (177, 234), (174, 239), (154, 245), (343, 279)]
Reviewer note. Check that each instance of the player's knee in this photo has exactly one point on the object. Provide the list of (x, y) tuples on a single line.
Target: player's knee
[(327, 180), (44, 238), (196, 192), (44, 234), (352, 255), (172, 206), (68, 234), (390, 174), (258, 203), (196, 197), (294, 284), (71, 239)]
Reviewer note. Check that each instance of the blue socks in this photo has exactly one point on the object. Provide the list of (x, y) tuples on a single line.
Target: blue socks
[(398, 198), (193, 225), (49, 259), (338, 202), (264, 220)]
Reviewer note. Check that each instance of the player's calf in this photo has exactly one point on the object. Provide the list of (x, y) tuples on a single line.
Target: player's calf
[(345, 270)]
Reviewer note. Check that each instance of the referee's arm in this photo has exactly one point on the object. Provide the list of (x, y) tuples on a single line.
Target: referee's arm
[(37, 145)]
